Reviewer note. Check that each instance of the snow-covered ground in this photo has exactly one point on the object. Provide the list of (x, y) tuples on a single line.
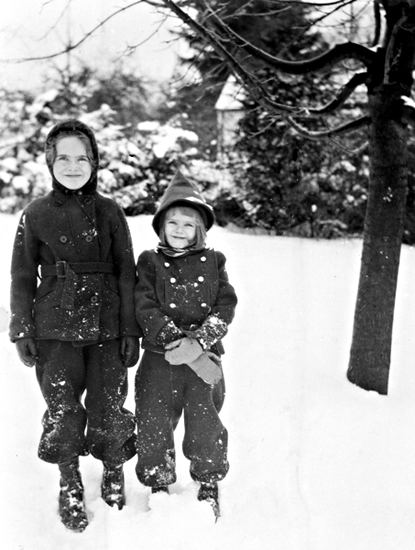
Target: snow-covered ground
[(316, 463)]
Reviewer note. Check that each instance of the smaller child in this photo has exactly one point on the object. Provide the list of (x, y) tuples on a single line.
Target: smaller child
[(184, 304)]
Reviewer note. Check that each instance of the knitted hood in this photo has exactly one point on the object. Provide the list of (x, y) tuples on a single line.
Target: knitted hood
[(75, 125), (182, 192)]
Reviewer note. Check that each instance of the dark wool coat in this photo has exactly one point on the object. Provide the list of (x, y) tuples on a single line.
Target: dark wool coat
[(73, 270), (188, 291)]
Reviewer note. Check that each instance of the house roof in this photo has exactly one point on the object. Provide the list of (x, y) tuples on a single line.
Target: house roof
[(231, 97)]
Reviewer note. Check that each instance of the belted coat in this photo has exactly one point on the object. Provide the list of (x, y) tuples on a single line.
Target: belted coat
[(73, 269)]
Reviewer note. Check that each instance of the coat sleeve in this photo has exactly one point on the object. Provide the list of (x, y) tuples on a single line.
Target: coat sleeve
[(215, 326), (24, 268), (149, 313), (125, 265)]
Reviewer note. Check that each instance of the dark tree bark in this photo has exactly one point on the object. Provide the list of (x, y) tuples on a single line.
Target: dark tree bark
[(370, 353), (373, 321)]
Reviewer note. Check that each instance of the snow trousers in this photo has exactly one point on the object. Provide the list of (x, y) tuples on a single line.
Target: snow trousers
[(162, 393), (98, 424)]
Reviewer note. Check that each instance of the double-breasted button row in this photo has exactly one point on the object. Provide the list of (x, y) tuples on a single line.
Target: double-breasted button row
[(64, 239), (200, 279)]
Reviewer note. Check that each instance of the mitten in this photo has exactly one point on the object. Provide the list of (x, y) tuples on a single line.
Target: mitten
[(130, 350), (206, 369), (27, 351), (183, 351)]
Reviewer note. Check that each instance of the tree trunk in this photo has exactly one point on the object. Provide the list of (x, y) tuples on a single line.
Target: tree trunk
[(373, 322)]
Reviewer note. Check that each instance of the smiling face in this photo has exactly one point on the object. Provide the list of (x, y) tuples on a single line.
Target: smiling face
[(180, 228), (72, 167)]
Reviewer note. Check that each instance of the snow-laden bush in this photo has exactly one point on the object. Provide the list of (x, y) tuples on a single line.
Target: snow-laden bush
[(136, 165)]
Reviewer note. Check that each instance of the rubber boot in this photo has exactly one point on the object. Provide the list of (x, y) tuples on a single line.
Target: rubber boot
[(112, 486), (71, 496), (209, 492)]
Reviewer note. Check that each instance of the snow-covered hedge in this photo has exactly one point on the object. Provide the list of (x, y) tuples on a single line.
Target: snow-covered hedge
[(135, 165)]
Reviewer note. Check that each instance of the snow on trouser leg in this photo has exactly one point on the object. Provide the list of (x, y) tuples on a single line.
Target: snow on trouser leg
[(156, 470), (208, 458), (111, 427), (156, 420), (60, 374), (114, 443), (71, 497), (63, 435), (205, 442)]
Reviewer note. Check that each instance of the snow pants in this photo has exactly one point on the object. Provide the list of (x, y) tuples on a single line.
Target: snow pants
[(162, 393), (99, 424)]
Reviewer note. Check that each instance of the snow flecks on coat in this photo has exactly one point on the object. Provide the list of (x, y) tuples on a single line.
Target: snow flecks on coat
[(178, 295), (87, 306)]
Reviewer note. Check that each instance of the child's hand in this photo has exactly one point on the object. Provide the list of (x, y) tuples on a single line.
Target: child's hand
[(130, 350), (27, 351), (183, 351)]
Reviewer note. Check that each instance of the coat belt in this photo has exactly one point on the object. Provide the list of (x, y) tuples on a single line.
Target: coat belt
[(60, 269), (68, 271)]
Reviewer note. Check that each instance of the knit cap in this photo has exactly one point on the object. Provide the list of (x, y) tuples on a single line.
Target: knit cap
[(181, 191)]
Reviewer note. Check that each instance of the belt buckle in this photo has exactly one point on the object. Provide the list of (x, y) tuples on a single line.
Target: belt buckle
[(61, 268)]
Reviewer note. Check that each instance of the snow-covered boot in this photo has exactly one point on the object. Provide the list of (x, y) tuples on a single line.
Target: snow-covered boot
[(160, 489), (71, 496), (112, 486), (209, 492)]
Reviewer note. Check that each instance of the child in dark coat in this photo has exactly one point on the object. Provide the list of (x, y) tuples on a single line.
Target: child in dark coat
[(184, 304), (72, 315)]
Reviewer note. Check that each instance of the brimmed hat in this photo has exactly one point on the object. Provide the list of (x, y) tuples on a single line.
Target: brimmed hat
[(181, 191)]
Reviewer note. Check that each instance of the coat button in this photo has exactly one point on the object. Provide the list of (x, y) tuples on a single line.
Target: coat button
[(166, 264), (203, 304), (203, 259), (94, 299), (63, 239), (172, 306), (89, 238), (58, 203), (200, 279), (172, 280), (88, 200)]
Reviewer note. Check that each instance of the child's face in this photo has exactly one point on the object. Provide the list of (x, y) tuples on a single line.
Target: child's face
[(71, 167), (179, 228)]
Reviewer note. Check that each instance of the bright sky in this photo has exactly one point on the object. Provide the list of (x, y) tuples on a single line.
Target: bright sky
[(30, 28)]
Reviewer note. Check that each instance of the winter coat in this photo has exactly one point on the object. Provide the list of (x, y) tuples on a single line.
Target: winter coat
[(78, 245), (187, 292)]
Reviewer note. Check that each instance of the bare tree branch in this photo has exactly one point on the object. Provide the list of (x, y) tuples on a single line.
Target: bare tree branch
[(346, 128), (75, 45), (378, 23), (339, 53), (256, 89), (342, 96)]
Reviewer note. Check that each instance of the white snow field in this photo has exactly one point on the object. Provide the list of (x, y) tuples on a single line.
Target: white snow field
[(316, 463)]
